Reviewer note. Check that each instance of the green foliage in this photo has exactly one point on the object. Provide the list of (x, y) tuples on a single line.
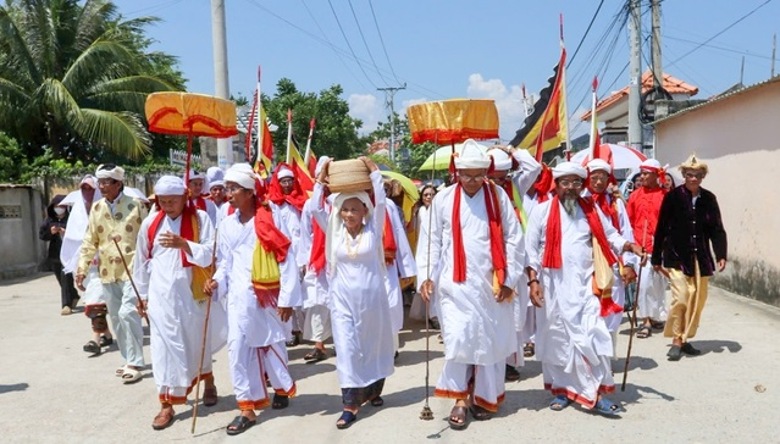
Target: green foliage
[(417, 153), (74, 77), (12, 159), (336, 132)]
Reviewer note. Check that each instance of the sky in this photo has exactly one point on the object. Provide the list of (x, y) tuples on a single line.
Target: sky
[(458, 48)]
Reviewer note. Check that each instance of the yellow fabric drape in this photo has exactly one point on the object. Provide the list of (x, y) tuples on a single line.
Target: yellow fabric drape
[(453, 121), (180, 113)]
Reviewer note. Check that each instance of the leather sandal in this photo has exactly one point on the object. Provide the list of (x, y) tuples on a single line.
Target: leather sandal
[(163, 420), (210, 397), (92, 347), (377, 402), (458, 418), (240, 424), (480, 414), (280, 402), (346, 419)]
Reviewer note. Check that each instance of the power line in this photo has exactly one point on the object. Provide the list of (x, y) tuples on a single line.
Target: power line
[(382, 40), (349, 45), (587, 30), (365, 43), (722, 48), (699, 46)]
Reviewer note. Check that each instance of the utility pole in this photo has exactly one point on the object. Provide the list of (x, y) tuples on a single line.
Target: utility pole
[(221, 86), (658, 73), (389, 96), (635, 74), (774, 51)]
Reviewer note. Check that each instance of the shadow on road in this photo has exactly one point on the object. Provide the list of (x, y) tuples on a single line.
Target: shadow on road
[(415, 357), (20, 387), (717, 346)]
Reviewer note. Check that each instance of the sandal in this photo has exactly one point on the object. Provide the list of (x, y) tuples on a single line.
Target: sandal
[(480, 414), (511, 374), (377, 402), (346, 419), (105, 342), (458, 419), (92, 347), (607, 408), (559, 403), (210, 397), (120, 371), (657, 325), (644, 332), (315, 355), (529, 350), (163, 420), (240, 424), (280, 402), (131, 375)]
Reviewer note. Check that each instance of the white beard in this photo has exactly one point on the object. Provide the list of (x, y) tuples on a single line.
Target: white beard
[(570, 205)]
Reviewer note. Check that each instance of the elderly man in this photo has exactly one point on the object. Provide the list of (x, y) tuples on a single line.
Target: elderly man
[(258, 276), (286, 193), (196, 186), (688, 224), (597, 190), (644, 206), (569, 242), (174, 246), (476, 252), (516, 171), (115, 220)]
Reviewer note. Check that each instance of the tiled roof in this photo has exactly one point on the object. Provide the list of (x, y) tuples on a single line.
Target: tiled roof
[(671, 84)]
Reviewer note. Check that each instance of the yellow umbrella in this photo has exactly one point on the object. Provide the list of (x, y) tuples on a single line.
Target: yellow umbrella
[(440, 160), (453, 121), (411, 194)]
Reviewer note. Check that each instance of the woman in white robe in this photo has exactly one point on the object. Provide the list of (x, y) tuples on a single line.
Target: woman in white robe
[(360, 311)]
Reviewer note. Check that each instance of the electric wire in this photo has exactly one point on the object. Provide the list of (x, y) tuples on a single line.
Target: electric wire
[(365, 43), (349, 45), (382, 41)]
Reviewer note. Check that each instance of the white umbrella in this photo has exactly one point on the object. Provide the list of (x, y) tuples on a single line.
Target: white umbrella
[(623, 157), (442, 156)]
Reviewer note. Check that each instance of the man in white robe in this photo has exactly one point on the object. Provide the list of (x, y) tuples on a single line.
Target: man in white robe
[(516, 174), (174, 245), (215, 178), (473, 222), (197, 184), (568, 241), (260, 295), (599, 178), (400, 264)]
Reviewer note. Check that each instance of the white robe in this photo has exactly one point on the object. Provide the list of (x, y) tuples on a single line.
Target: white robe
[(474, 326), (421, 257), (176, 319), (315, 286), (572, 340), (403, 266), (78, 222), (360, 311)]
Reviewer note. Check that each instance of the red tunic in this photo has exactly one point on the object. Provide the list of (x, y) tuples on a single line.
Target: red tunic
[(645, 205)]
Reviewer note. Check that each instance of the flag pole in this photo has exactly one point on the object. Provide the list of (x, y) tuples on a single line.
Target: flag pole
[(307, 154), (288, 158), (564, 106), (260, 118), (593, 122)]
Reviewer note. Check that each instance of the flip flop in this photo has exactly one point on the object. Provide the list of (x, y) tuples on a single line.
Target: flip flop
[(131, 375), (315, 355), (120, 371), (607, 408), (345, 420), (240, 424), (559, 403), (644, 332), (461, 419)]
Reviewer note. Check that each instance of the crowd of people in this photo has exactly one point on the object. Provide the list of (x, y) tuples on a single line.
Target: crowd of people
[(513, 259)]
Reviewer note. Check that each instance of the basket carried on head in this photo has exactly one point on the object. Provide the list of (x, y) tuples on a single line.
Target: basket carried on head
[(345, 176)]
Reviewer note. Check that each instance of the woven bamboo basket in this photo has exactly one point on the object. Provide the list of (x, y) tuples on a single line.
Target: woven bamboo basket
[(346, 176)]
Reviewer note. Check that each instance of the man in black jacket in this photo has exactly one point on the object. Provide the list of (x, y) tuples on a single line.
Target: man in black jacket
[(688, 224)]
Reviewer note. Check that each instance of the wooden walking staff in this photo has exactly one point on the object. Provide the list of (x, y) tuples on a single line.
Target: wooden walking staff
[(447, 122), (213, 268), (632, 316), (130, 276)]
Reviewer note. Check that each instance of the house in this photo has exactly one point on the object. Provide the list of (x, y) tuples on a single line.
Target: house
[(738, 134), (612, 111)]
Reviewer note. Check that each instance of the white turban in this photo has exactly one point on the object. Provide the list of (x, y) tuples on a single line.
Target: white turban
[(472, 156), (109, 171), (242, 174), (284, 172), (599, 165), (320, 163), (569, 169), (169, 186), (651, 165), (215, 177), (501, 160), (195, 174)]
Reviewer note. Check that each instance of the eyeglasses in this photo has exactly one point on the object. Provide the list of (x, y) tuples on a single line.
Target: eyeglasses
[(233, 189), (477, 178), (568, 183), (428, 195), (105, 182), (690, 175)]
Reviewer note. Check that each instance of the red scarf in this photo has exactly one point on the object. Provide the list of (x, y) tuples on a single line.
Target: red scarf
[(543, 184), (200, 203), (296, 198), (317, 256), (553, 236), (602, 200), (497, 252), (272, 239), (388, 240), (188, 219)]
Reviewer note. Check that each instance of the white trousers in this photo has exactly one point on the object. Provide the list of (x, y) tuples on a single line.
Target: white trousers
[(317, 325), (651, 298), (248, 368), (485, 383), (121, 301)]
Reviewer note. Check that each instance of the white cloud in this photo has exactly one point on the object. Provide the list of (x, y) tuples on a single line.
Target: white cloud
[(509, 101), (367, 108)]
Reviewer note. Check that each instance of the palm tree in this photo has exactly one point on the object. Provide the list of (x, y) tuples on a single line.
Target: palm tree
[(74, 78)]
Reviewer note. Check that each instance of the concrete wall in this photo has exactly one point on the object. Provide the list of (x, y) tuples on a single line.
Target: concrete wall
[(21, 213), (739, 138)]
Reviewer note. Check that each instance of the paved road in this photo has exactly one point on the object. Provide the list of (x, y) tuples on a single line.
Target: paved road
[(51, 391)]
